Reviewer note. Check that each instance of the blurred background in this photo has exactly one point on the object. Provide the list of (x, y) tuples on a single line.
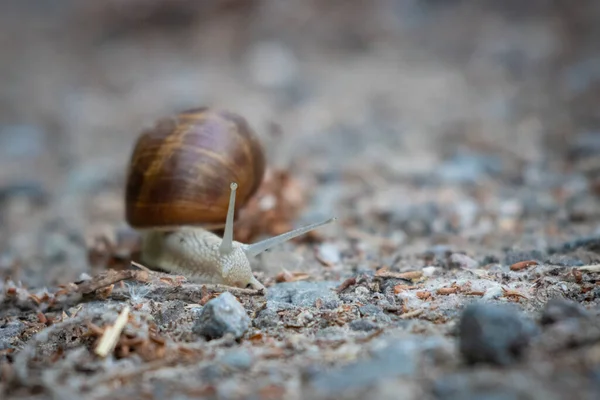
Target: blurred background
[(385, 110)]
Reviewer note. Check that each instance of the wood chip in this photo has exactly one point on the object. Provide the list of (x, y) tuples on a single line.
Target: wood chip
[(522, 265), (447, 290), (111, 335)]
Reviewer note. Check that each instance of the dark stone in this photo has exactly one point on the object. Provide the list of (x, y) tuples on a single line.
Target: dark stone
[(362, 325), (220, 316), (495, 334), (305, 294), (559, 309)]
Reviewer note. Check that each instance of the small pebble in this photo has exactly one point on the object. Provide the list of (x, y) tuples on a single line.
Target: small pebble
[(220, 316), (494, 334)]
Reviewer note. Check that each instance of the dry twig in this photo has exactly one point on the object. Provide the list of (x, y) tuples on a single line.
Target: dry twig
[(111, 334), (590, 268)]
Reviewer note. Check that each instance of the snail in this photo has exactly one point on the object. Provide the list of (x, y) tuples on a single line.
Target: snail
[(183, 178)]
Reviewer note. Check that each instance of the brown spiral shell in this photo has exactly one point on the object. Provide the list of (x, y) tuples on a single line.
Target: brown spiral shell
[(180, 170)]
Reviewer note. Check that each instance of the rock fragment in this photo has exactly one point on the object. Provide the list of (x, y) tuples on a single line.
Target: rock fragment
[(494, 334), (220, 316)]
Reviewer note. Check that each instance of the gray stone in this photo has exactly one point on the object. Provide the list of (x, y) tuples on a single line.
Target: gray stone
[(305, 294), (9, 334), (220, 316), (238, 359), (495, 334), (559, 309), (396, 359)]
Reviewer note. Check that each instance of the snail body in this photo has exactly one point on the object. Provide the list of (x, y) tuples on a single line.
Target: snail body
[(183, 178)]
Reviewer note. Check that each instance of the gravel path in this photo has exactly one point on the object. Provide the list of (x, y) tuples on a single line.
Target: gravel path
[(457, 143)]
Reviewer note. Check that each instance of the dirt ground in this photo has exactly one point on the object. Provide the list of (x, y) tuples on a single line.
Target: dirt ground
[(457, 143)]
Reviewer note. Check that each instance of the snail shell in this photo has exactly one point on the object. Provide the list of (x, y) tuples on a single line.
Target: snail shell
[(181, 169)]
